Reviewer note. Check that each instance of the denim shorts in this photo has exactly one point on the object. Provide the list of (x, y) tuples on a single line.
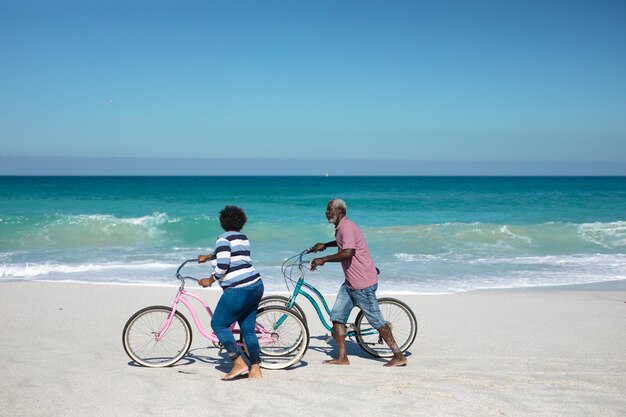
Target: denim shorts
[(364, 298)]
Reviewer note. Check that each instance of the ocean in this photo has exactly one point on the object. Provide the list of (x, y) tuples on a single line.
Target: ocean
[(428, 235)]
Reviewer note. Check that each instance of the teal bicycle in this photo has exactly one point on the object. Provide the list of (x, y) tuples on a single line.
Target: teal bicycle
[(397, 314)]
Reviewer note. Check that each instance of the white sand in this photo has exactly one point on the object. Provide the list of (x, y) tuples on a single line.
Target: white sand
[(500, 353)]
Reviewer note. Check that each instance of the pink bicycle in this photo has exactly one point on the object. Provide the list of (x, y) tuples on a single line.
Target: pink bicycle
[(159, 336)]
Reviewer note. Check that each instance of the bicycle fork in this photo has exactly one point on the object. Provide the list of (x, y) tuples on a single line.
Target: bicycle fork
[(166, 326)]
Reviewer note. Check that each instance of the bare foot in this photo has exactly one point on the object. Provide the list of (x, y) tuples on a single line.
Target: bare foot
[(239, 369), (337, 362), (397, 361), (255, 371)]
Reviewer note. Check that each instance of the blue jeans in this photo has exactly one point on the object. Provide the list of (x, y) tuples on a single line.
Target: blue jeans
[(364, 298), (240, 305)]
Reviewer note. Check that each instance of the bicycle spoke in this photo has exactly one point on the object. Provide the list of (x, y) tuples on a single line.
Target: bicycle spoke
[(283, 337), (143, 346), (401, 321)]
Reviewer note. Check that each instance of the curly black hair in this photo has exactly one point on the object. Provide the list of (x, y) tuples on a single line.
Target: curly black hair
[(232, 218)]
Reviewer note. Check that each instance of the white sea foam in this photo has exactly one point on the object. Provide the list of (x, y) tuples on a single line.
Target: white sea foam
[(434, 258), (405, 272), (155, 218), (607, 235), (505, 230), (108, 224), (57, 231), (464, 272), (556, 260), (408, 257), (34, 270)]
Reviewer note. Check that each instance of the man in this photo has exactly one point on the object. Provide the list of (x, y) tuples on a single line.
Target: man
[(361, 281)]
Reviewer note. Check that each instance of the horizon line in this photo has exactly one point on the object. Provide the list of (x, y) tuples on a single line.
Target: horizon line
[(188, 166)]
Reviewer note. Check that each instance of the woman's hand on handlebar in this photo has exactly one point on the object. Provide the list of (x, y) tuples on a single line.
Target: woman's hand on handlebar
[(204, 258), (206, 282)]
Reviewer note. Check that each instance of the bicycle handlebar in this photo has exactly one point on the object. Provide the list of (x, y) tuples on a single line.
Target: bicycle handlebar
[(301, 264), (180, 277), (295, 260)]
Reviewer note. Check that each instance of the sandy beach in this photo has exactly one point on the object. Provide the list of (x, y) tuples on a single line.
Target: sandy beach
[(556, 352)]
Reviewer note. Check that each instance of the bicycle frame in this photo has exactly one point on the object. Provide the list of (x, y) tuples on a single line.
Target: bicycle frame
[(301, 288), (181, 297)]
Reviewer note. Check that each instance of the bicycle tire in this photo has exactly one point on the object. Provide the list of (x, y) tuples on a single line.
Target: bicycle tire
[(142, 346), (402, 322), (289, 339), (282, 301)]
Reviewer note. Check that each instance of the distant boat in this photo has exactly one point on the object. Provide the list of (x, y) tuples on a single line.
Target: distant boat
[(327, 174)]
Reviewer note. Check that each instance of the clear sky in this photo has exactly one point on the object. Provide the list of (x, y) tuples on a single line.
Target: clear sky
[(455, 81)]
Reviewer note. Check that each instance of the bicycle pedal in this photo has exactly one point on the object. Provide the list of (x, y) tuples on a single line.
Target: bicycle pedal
[(329, 338)]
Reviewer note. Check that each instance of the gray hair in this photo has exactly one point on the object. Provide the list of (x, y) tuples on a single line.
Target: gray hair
[(338, 203)]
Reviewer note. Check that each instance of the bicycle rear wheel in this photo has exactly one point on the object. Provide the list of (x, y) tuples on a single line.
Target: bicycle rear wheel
[(282, 301), (400, 319), (145, 345), (283, 337)]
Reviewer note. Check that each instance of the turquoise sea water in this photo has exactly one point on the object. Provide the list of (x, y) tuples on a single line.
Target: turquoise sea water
[(427, 234)]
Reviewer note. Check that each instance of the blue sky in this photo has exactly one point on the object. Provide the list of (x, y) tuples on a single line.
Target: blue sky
[(459, 82)]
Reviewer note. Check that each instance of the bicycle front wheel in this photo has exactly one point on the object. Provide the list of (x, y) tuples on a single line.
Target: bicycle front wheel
[(145, 344), (283, 337), (400, 319)]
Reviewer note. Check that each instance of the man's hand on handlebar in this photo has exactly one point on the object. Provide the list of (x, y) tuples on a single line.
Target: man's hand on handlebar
[(317, 262), (318, 247)]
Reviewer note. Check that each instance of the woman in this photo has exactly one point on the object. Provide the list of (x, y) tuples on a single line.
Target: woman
[(243, 289)]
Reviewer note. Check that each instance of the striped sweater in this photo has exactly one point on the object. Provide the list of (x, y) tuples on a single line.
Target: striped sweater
[(231, 261)]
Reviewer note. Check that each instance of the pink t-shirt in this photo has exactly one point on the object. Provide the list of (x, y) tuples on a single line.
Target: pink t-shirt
[(359, 270)]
